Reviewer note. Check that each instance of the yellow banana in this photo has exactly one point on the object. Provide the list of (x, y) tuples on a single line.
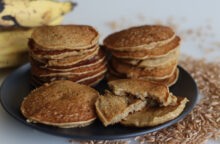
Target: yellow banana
[(32, 13), (13, 45)]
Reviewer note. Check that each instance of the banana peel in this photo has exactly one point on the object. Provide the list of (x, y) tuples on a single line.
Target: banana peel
[(26, 13)]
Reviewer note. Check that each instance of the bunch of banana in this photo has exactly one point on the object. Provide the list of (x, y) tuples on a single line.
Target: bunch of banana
[(18, 18)]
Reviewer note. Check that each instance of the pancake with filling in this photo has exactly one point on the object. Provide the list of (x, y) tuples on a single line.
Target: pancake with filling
[(112, 109), (152, 116), (62, 104), (133, 72), (71, 37), (157, 52), (143, 89), (139, 38)]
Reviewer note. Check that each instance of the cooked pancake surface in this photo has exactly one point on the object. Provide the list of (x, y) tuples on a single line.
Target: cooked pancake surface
[(158, 51), (139, 38), (143, 89), (61, 103), (65, 37), (152, 116), (133, 72), (112, 108)]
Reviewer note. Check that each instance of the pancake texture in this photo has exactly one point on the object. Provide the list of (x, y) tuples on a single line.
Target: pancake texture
[(143, 89), (152, 116), (112, 108), (148, 52), (62, 104), (67, 52)]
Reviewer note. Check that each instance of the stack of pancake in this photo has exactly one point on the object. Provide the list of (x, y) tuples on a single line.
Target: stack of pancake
[(148, 52), (69, 52)]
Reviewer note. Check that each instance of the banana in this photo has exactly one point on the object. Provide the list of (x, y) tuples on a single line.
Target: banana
[(13, 45), (13, 59), (31, 13)]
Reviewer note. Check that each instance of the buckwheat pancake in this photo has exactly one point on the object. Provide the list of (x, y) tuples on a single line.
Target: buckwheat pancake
[(143, 89), (60, 54), (157, 52), (152, 116), (91, 61), (168, 81), (153, 62), (73, 37), (139, 38), (79, 78), (41, 72), (112, 109), (62, 104), (129, 71)]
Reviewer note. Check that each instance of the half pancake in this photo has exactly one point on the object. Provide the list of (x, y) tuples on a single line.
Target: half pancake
[(152, 116), (139, 38), (73, 37), (62, 103), (157, 52), (143, 89), (112, 109), (157, 73)]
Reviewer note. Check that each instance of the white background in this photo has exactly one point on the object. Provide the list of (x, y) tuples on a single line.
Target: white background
[(111, 15)]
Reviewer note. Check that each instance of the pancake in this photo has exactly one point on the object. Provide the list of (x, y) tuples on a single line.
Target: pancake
[(98, 58), (139, 38), (41, 72), (157, 52), (155, 73), (75, 78), (58, 54), (62, 104), (152, 116), (153, 62), (73, 37), (168, 81), (112, 109), (143, 89)]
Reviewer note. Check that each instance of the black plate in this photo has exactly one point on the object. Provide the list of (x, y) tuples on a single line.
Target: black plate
[(17, 86)]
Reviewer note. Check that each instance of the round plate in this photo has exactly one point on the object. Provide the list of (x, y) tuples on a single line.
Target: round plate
[(17, 86)]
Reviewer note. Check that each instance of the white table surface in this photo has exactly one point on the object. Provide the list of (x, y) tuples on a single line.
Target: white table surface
[(105, 15)]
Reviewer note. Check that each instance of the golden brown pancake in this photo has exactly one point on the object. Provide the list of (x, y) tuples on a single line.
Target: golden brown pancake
[(153, 62), (143, 89), (79, 78), (111, 108), (41, 72), (168, 81), (39, 53), (152, 116), (73, 37), (157, 52), (98, 58), (129, 71), (139, 38), (61, 103)]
